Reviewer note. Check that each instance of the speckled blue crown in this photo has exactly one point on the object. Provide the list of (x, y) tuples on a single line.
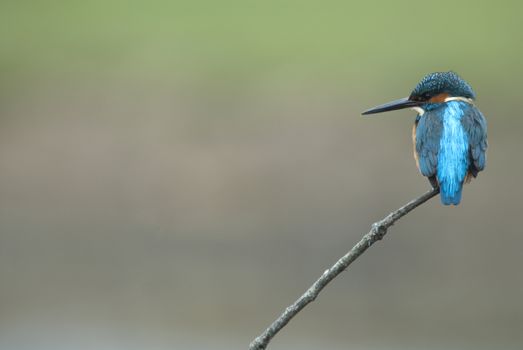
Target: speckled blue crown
[(443, 82)]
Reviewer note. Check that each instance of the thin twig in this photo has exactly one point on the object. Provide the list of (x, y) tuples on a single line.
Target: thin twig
[(378, 230)]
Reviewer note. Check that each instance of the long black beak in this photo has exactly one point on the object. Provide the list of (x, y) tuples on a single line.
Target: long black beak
[(392, 106)]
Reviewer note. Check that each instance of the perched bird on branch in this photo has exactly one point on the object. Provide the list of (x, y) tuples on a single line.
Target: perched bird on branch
[(449, 134)]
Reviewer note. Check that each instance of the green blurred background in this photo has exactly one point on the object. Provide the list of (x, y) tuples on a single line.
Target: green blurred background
[(173, 174)]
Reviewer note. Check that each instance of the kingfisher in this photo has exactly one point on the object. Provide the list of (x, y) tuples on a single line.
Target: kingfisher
[(449, 134)]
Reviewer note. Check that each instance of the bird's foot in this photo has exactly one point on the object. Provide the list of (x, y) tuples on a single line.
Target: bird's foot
[(434, 183)]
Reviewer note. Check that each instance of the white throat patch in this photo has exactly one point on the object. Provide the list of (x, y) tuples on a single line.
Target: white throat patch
[(420, 110)]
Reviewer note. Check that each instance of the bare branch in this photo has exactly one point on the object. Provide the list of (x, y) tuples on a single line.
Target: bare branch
[(378, 230)]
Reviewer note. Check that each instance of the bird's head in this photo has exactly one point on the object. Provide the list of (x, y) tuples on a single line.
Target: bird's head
[(434, 88)]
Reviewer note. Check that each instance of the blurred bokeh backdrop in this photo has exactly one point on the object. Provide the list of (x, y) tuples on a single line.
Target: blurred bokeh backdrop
[(174, 173)]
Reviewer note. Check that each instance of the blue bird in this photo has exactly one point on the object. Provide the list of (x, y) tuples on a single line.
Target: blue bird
[(449, 133)]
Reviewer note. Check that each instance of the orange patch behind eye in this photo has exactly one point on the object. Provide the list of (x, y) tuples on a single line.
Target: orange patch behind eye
[(439, 98)]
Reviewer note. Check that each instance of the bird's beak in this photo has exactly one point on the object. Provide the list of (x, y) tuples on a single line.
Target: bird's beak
[(392, 106)]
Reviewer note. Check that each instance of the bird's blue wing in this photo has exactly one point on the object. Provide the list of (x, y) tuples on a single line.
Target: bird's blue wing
[(428, 135), (475, 126)]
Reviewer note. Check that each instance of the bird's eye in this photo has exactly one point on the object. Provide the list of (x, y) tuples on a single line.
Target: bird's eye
[(426, 96)]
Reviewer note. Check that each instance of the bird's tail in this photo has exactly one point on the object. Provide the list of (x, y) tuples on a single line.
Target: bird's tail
[(450, 193)]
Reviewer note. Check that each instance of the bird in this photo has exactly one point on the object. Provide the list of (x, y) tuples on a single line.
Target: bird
[(449, 134)]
